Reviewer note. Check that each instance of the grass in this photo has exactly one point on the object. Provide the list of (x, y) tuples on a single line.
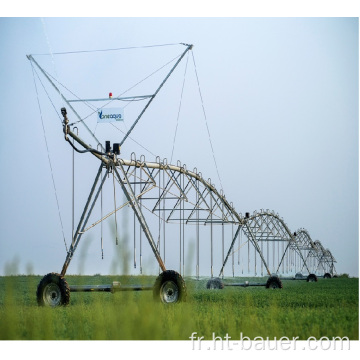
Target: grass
[(326, 308)]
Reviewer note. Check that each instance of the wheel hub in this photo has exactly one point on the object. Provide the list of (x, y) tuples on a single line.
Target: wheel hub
[(52, 294), (169, 292)]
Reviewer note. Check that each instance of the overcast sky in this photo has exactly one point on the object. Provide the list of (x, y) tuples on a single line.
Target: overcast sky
[(281, 102)]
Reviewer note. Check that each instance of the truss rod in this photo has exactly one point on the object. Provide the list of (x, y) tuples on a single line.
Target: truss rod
[(82, 223), (188, 47), (64, 98), (112, 99), (230, 249), (134, 203), (256, 246)]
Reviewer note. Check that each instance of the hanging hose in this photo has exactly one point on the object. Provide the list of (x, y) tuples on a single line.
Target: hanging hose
[(222, 241), (159, 220), (211, 235), (101, 225), (93, 151), (262, 263), (73, 190), (197, 230), (116, 233), (273, 255), (183, 240), (255, 261), (248, 257), (180, 229), (134, 214), (282, 250), (142, 160), (242, 255), (164, 238)]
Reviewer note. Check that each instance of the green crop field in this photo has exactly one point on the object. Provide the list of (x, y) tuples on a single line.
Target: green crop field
[(326, 308)]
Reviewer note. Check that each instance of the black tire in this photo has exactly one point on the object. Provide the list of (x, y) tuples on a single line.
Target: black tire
[(215, 283), (274, 282), (312, 278), (299, 275), (169, 288), (53, 290), (327, 276)]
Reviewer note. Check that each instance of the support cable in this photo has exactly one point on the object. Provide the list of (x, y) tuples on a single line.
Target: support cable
[(121, 94), (89, 105), (47, 94), (178, 115), (207, 127), (30, 57), (52, 55), (49, 159), (106, 50), (189, 47), (134, 140)]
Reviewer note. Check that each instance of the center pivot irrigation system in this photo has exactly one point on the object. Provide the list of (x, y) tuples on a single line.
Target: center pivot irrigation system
[(175, 196)]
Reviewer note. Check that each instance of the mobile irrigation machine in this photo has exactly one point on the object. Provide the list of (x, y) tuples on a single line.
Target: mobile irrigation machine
[(175, 195)]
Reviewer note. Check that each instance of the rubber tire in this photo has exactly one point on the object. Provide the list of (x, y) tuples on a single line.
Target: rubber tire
[(215, 283), (58, 282), (171, 277), (312, 278), (327, 276), (274, 282), (299, 276)]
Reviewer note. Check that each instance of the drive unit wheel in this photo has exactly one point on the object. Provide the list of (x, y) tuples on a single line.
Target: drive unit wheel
[(169, 287), (274, 282), (312, 278), (215, 283), (53, 290)]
